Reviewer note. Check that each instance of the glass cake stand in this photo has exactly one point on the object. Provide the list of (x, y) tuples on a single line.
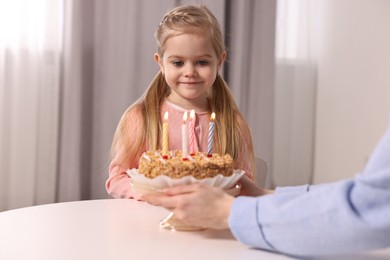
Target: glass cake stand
[(142, 185)]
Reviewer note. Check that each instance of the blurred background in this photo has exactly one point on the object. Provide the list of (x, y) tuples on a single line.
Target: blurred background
[(310, 76)]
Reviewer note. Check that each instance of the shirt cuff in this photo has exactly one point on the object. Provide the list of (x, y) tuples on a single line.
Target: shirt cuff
[(243, 222)]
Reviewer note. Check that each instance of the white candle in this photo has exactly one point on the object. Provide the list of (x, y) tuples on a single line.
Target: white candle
[(184, 135), (211, 135)]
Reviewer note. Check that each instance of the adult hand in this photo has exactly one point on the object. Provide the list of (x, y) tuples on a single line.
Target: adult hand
[(196, 204), (249, 188)]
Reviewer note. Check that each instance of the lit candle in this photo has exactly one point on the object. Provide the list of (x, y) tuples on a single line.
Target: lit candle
[(184, 136), (192, 132), (165, 136), (211, 135)]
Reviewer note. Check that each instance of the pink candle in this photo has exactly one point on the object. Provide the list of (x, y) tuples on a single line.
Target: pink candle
[(165, 136), (184, 136), (192, 132), (211, 135)]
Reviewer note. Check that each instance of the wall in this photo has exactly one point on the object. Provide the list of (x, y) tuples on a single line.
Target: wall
[(353, 96)]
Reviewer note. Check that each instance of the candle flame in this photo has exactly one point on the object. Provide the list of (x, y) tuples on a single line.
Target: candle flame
[(166, 116), (192, 114), (185, 117), (212, 116)]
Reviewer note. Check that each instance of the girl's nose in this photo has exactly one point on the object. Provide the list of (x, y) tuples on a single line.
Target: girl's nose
[(190, 71)]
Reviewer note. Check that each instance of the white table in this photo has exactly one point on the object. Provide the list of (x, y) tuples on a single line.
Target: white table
[(115, 229)]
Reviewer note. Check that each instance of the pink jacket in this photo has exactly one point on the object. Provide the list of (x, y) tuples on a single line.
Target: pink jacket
[(118, 182)]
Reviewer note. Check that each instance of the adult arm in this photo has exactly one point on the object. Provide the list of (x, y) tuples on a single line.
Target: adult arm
[(342, 217)]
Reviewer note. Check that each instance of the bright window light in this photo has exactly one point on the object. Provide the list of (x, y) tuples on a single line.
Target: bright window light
[(287, 25), (296, 29), (23, 23)]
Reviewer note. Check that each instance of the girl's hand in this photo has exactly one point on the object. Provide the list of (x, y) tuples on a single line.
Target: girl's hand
[(196, 204)]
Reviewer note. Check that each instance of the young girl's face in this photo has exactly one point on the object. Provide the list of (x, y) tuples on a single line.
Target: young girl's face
[(190, 66)]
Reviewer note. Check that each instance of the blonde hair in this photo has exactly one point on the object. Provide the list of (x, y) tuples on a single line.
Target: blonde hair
[(230, 125)]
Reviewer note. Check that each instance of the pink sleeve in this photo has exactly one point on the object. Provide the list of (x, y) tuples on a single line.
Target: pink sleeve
[(118, 182), (245, 164), (245, 159)]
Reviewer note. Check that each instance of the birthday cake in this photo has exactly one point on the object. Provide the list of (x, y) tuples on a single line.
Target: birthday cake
[(199, 165)]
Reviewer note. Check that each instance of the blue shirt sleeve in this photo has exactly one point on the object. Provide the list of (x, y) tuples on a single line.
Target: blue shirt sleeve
[(341, 217)]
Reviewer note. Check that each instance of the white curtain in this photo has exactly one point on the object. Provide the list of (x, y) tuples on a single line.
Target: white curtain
[(295, 90), (30, 51)]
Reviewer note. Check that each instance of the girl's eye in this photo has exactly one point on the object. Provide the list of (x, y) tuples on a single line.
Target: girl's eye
[(178, 63), (203, 62)]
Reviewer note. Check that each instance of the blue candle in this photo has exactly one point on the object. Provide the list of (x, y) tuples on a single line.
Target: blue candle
[(211, 135)]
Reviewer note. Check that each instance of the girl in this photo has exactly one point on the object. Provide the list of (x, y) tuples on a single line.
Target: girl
[(190, 53)]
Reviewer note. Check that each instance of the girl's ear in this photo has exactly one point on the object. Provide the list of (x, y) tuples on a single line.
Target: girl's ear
[(158, 59), (222, 59)]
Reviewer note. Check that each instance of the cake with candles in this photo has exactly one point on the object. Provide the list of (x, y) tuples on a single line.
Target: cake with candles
[(174, 165), (177, 164)]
